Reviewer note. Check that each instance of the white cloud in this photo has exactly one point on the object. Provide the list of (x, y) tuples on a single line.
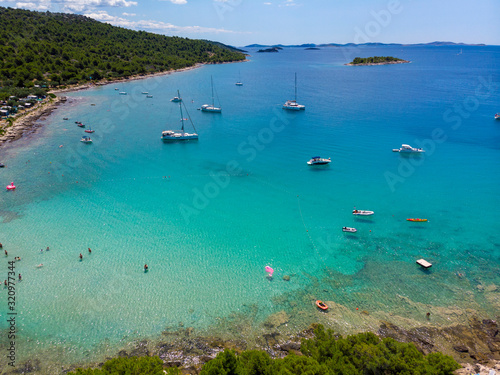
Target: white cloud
[(179, 2), (41, 5), (82, 5), (128, 14), (157, 26)]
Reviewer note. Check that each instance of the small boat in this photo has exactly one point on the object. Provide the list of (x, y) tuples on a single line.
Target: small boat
[(65, 118), (348, 229), (80, 125), (89, 130), (316, 160), (239, 83), (123, 93), (211, 108), (321, 305), (292, 105), (145, 92), (149, 96), (497, 116), (116, 88), (417, 220), (408, 149), (362, 212), (11, 186), (2, 165), (86, 140), (176, 99), (78, 122)]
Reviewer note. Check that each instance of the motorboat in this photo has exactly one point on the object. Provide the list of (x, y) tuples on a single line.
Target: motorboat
[(89, 130), (348, 229), (409, 149), (11, 186), (2, 165), (145, 92), (292, 105), (170, 135), (316, 160), (362, 212), (211, 108), (86, 140), (149, 96), (123, 93), (239, 83), (80, 125), (497, 116), (416, 220)]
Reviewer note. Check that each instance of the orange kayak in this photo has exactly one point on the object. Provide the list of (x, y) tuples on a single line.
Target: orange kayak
[(416, 219), (321, 305)]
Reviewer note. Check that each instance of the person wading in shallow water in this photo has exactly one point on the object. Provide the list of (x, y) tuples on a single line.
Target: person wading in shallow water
[(81, 256), (90, 250)]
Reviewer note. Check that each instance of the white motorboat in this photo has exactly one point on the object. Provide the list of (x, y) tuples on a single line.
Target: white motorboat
[(362, 212), (497, 116), (170, 135), (316, 160), (348, 229), (86, 140), (292, 105), (211, 108), (123, 93), (409, 149)]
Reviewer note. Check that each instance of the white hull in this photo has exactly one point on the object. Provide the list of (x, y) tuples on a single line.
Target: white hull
[(362, 212), (350, 230), (209, 108), (407, 149), (497, 116), (291, 105), (319, 161), (179, 137)]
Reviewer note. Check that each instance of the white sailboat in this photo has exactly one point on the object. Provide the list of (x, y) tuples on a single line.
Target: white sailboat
[(239, 83), (208, 107), (292, 105), (171, 135)]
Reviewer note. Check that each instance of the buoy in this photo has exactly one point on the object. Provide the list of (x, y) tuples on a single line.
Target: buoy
[(356, 308)]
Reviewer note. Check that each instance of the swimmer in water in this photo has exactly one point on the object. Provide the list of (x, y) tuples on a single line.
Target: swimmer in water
[(90, 250), (81, 256), (39, 265)]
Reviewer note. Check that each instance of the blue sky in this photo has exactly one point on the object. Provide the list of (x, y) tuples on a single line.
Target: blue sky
[(243, 22)]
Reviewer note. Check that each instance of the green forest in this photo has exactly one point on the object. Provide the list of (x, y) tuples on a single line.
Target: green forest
[(375, 60), (55, 49), (325, 354)]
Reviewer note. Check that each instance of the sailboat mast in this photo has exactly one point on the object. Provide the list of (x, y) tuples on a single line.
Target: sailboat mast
[(295, 86), (212, 82), (180, 107)]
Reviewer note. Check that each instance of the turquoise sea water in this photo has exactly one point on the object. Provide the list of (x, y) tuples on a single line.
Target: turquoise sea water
[(208, 216)]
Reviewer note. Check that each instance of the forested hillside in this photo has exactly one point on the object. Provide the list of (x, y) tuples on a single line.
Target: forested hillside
[(54, 49)]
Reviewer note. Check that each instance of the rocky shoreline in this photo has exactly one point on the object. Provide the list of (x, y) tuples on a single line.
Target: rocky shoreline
[(27, 122), (475, 345)]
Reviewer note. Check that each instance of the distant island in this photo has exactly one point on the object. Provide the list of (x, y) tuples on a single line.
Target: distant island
[(311, 48), (272, 49), (377, 60), (435, 44)]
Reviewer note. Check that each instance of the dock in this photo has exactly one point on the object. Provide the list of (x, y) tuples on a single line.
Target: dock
[(424, 263)]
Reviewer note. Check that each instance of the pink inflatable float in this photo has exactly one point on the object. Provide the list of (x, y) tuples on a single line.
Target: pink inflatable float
[(11, 186), (270, 271)]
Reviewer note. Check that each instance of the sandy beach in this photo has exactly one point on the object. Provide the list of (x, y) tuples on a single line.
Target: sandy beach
[(27, 121)]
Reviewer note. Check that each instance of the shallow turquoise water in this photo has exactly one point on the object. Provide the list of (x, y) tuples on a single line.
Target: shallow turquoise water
[(207, 216)]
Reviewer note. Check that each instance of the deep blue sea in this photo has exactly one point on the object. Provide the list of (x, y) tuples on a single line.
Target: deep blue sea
[(207, 216)]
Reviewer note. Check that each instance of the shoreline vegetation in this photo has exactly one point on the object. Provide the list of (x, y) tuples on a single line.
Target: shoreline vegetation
[(376, 60)]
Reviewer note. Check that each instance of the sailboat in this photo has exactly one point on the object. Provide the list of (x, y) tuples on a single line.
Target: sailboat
[(239, 83), (292, 105), (208, 107), (170, 135)]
